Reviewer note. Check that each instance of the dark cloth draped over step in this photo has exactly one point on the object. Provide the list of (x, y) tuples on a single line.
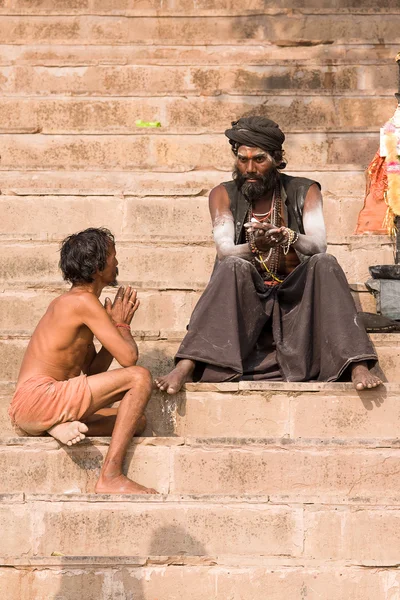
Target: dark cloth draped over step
[(305, 329)]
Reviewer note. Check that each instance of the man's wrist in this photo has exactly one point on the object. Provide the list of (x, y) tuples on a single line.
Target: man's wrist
[(123, 325)]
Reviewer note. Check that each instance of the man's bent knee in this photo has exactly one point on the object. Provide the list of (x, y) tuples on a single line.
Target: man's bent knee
[(140, 376), (234, 262), (323, 259)]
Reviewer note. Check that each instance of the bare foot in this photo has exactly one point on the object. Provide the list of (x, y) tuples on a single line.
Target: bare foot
[(362, 377), (120, 485), (69, 433), (174, 381)]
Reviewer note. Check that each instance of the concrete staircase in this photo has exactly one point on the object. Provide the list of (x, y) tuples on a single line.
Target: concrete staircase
[(268, 491)]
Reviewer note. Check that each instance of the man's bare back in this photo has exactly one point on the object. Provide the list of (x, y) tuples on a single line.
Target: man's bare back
[(61, 344), (63, 375)]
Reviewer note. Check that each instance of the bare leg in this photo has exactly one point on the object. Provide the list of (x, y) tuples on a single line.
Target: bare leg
[(106, 388), (174, 381), (132, 386), (362, 377), (102, 423)]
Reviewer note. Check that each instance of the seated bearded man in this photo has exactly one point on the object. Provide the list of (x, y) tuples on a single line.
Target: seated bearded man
[(277, 306), (63, 387)]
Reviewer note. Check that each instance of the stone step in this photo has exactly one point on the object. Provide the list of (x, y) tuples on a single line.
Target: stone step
[(40, 54), (281, 30), (192, 114), (160, 152), (198, 579), (345, 181), (170, 310), (271, 410), (235, 529), (178, 219), (157, 354), (145, 266), (186, 8), (153, 80), (297, 470)]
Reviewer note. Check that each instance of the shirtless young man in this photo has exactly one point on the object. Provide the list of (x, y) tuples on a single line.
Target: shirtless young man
[(63, 385), (277, 305)]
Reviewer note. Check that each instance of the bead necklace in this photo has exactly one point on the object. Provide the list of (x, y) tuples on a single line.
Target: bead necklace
[(270, 262), (261, 217)]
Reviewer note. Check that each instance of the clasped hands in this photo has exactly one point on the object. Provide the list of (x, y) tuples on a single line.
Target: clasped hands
[(266, 236), (124, 306)]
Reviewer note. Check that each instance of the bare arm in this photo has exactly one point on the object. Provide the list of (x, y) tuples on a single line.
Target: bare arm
[(224, 226), (97, 362), (314, 239), (117, 343)]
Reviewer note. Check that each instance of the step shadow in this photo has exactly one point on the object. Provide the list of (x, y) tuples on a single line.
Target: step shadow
[(373, 398), (170, 546)]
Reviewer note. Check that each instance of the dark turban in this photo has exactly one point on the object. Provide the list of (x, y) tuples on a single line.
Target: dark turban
[(258, 132)]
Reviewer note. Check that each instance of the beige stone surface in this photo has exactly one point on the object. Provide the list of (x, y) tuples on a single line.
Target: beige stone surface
[(350, 182), (297, 474), (150, 219), (280, 30), (363, 535), (140, 529), (222, 54), (170, 310), (367, 414), (322, 461), (189, 114), (142, 266), (158, 152), (370, 415), (143, 80), (167, 267), (185, 7), (62, 470), (215, 414), (199, 583)]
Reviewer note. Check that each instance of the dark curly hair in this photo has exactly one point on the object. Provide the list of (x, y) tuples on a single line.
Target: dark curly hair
[(83, 254)]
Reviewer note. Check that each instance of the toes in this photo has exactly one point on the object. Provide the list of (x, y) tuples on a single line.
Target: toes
[(83, 428), (171, 390), (359, 386)]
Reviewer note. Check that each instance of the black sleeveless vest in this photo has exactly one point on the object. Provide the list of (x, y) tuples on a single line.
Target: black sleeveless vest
[(293, 192)]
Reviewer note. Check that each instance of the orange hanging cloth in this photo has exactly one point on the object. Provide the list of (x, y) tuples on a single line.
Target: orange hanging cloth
[(372, 215)]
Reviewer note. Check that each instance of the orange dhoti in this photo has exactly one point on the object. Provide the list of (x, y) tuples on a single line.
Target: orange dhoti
[(42, 402)]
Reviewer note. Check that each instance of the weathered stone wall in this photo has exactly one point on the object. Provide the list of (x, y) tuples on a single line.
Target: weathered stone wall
[(278, 491), (76, 75)]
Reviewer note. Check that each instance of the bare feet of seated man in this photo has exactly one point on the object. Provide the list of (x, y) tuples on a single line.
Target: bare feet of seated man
[(362, 377), (98, 425), (70, 433), (174, 381)]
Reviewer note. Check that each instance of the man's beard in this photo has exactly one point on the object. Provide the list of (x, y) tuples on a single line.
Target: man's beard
[(254, 190), (115, 282)]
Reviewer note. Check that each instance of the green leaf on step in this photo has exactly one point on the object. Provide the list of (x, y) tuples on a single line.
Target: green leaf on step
[(140, 123)]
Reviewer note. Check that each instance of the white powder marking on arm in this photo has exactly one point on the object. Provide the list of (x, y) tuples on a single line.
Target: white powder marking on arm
[(224, 237)]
